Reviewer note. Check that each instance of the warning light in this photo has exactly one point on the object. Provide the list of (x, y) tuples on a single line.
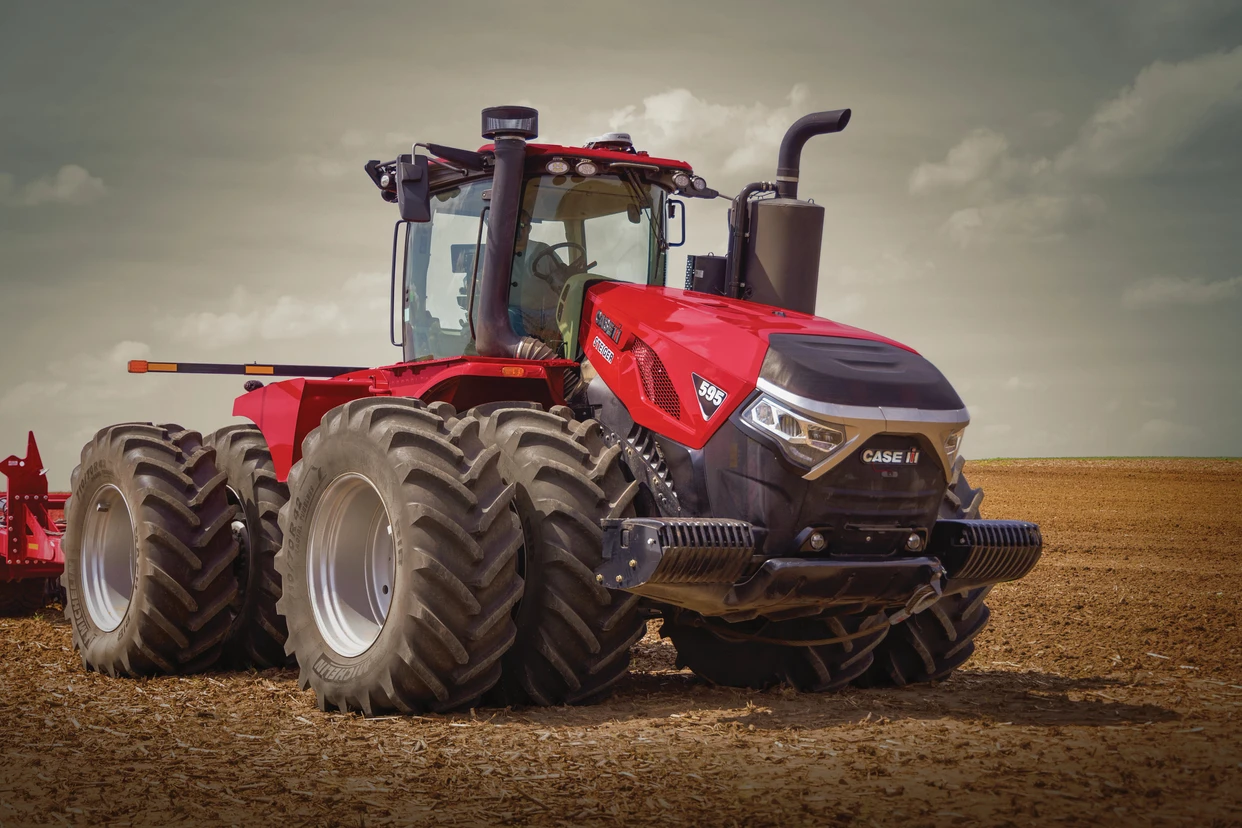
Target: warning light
[(513, 371)]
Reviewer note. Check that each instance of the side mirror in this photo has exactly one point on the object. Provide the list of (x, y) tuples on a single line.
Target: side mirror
[(674, 212), (413, 188)]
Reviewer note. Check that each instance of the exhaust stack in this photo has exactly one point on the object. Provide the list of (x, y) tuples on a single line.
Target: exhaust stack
[(789, 162), (509, 128), (774, 250)]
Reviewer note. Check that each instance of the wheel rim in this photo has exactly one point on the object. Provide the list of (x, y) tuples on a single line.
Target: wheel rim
[(349, 564), (109, 559)]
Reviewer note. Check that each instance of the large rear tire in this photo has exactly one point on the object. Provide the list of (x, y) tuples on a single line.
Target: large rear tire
[(148, 552), (931, 645), (573, 635), (258, 634), (720, 654), (399, 562)]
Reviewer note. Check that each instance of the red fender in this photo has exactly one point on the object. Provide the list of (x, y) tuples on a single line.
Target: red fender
[(287, 411)]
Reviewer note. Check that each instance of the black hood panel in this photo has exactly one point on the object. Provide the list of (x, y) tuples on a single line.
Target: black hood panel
[(856, 372)]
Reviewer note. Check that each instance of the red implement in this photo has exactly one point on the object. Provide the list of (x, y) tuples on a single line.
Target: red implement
[(32, 521)]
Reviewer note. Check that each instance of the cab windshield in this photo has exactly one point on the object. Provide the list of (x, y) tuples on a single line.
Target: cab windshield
[(571, 229)]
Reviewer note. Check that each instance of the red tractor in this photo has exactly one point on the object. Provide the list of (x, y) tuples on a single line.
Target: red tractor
[(568, 448)]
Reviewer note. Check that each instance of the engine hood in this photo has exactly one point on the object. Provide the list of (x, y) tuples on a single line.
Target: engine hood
[(703, 323), (683, 361)]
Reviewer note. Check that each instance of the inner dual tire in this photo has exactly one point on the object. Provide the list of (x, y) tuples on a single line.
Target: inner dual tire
[(149, 554), (399, 562), (573, 635), (760, 654), (257, 633)]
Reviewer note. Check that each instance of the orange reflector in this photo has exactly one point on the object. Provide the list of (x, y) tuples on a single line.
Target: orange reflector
[(137, 366), (34, 547), (513, 371), (162, 366), (260, 369)]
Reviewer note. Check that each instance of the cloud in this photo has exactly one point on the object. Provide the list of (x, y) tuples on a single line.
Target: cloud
[(1162, 404), (891, 267), (839, 307), (71, 184), (1034, 217), (729, 137), (360, 306), (1163, 291), (968, 162), (1045, 198), (76, 383), (28, 396), (1167, 104), (1017, 383)]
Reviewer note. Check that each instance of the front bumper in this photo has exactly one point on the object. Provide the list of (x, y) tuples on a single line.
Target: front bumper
[(709, 565)]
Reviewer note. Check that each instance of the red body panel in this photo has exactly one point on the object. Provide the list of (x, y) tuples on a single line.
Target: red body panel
[(722, 340), (610, 156), (287, 411), (33, 520)]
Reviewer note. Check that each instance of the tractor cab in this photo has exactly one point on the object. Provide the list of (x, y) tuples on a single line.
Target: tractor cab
[(584, 214)]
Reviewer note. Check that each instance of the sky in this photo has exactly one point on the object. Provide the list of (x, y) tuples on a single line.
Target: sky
[(1043, 199)]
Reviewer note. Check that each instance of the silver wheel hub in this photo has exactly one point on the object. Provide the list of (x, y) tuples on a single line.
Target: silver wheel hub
[(109, 558), (350, 567)]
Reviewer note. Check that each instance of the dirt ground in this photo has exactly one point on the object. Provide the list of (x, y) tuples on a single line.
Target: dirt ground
[(1107, 690)]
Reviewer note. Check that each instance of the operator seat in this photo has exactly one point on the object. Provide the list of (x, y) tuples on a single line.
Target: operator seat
[(532, 300)]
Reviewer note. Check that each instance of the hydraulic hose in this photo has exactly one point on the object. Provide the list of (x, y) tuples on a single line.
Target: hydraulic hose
[(740, 216)]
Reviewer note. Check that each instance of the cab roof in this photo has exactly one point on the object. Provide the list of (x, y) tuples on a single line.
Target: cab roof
[(606, 155)]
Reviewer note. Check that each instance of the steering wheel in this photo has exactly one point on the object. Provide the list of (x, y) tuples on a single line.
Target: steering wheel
[(556, 271)]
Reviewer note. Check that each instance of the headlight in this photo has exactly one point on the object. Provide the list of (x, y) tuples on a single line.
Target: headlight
[(953, 443), (803, 440)]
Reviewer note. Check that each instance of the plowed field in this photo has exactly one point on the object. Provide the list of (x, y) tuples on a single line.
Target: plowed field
[(1107, 690)]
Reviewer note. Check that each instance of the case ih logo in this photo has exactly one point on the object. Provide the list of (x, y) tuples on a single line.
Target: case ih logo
[(909, 457), (710, 397)]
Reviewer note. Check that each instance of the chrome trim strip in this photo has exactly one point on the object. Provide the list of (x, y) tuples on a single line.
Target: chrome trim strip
[(861, 423)]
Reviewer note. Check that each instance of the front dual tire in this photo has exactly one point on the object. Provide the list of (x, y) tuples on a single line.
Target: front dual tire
[(399, 562), (410, 535)]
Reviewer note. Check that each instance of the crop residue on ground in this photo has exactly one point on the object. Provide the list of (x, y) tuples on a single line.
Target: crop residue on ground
[(1106, 690)]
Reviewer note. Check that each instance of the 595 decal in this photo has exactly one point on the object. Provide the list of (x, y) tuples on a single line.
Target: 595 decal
[(709, 395)]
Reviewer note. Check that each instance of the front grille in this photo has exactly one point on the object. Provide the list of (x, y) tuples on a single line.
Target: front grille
[(656, 383)]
